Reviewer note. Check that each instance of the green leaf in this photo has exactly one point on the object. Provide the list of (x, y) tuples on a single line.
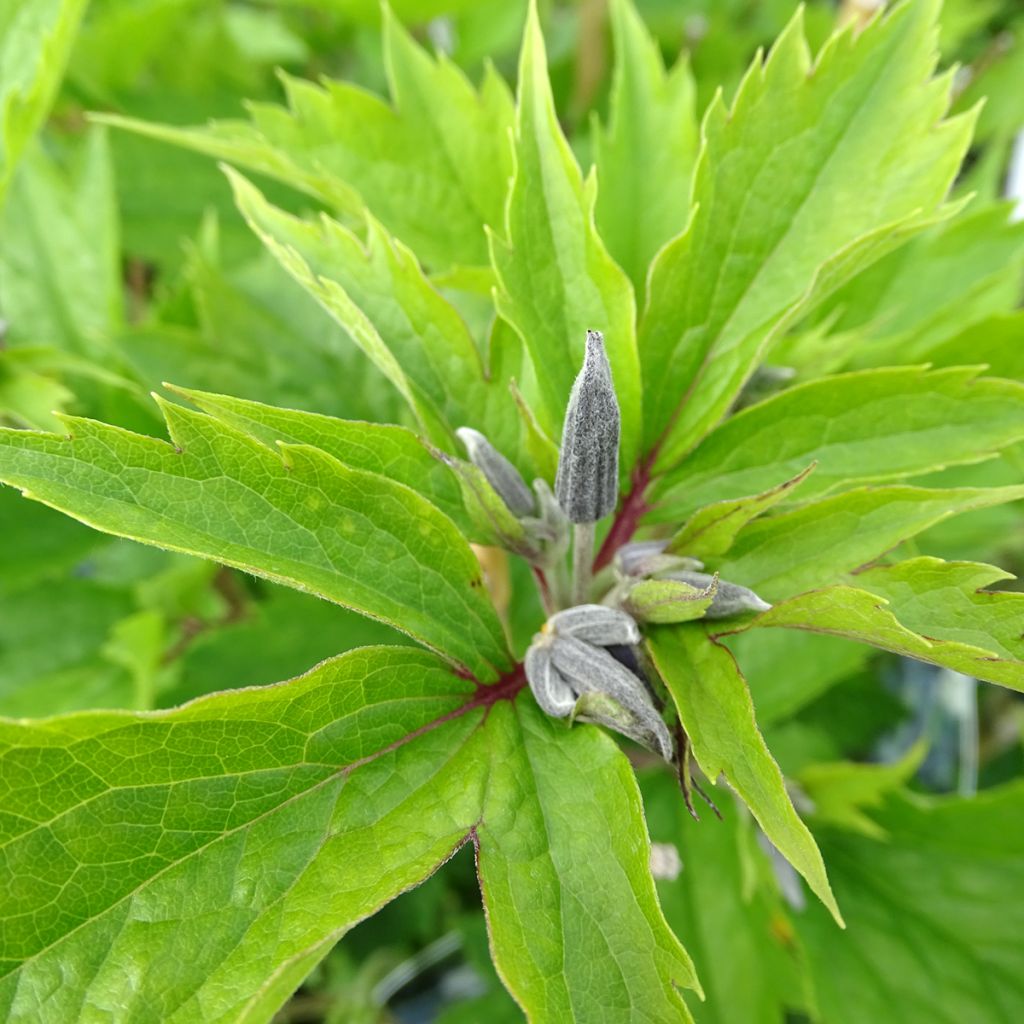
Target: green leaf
[(645, 154), (943, 873), (433, 168), (277, 637), (949, 601), (847, 611), (51, 642), (815, 171), (813, 544), (858, 427), (299, 517), (377, 291), (60, 264), (842, 791), (711, 530), (35, 40), (386, 450), (930, 289), (223, 847), (262, 336), (717, 713), (576, 930), (997, 341), (555, 277)]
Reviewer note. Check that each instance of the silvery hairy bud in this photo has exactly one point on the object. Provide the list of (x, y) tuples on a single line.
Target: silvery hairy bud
[(647, 557), (729, 599), (571, 674), (587, 481), (500, 473)]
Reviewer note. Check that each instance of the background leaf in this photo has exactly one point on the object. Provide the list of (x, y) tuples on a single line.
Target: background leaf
[(555, 277), (813, 172)]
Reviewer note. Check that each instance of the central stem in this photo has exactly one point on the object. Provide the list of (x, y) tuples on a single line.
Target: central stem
[(582, 561)]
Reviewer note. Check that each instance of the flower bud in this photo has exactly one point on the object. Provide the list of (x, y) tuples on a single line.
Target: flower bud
[(595, 624), (587, 481), (729, 599), (549, 687), (500, 473), (647, 557)]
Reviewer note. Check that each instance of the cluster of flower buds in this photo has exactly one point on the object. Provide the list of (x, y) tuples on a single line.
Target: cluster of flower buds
[(657, 586), (574, 673)]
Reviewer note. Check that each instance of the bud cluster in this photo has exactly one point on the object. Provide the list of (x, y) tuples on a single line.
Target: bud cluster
[(573, 674), (585, 663)]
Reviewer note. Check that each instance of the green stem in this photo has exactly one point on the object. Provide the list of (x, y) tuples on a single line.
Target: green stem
[(582, 561)]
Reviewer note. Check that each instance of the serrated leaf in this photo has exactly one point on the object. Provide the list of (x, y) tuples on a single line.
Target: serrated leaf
[(564, 870), (224, 846), (851, 612), (379, 294), (717, 713), (711, 530), (273, 819), (304, 520), (813, 544), (645, 154), (842, 792), (858, 427), (386, 450), (943, 873), (814, 172), (35, 40), (433, 181), (555, 277), (949, 601)]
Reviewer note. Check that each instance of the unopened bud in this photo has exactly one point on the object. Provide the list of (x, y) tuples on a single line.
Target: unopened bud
[(500, 473), (595, 624), (647, 557), (549, 687), (639, 721), (729, 599), (668, 600), (587, 481)]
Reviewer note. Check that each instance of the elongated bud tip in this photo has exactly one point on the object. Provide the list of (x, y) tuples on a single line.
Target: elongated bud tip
[(587, 481), (500, 473)]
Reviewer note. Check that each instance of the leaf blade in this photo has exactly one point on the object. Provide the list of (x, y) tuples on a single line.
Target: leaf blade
[(555, 277), (793, 193), (717, 713), (227, 497), (549, 899)]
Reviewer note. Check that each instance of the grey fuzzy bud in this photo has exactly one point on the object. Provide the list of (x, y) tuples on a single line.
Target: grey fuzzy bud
[(548, 685), (587, 481), (646, 557), (500, 473), (590, 669), (729, 599), (595, 624)]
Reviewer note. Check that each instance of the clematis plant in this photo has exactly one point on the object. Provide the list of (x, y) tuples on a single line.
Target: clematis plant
[(195, 864)]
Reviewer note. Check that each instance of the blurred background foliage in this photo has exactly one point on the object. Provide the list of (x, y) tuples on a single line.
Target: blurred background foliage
[(124, 263)]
